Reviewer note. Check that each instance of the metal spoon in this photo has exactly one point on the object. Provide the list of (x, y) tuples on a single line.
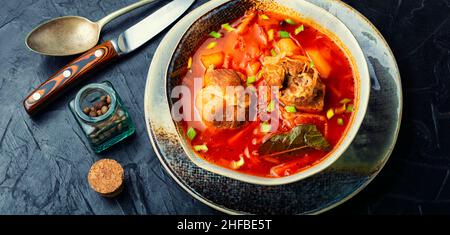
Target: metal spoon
[(70, 35)]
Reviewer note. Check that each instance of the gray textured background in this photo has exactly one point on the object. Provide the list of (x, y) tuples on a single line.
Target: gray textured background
[(44, 160)]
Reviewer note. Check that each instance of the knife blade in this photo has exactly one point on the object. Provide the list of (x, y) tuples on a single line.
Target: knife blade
[(149, 27), (128, 41)]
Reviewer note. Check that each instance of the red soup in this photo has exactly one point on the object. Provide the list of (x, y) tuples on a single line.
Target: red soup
[(314, 102)]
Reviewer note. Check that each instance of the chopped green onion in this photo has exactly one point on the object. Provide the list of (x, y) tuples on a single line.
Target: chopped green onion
[(273, 52), (345, 101), (202, 148), (330, 113), (191, 133), (290, 109), (215, 34), (265, 17), (290, 21), (271, 106), (311, 64), (212, 45), (299, 29), (284, 34), (340, 121), (228, 27), (265, 127), (260, 74), (251, 80), (350, 108), (189, 65)]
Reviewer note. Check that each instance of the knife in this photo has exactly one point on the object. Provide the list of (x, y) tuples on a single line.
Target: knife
[(127, 42)]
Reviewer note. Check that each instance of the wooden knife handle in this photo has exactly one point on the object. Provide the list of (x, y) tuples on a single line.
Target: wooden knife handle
[(72, 73)]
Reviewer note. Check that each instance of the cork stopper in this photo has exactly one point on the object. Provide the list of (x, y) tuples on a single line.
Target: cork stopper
[(106, 177)]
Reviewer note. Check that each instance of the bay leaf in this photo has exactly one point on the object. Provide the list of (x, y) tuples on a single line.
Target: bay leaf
[(300, 137)]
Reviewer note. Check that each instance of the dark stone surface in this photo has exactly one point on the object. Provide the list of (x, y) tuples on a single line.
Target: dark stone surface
[(44, 160)]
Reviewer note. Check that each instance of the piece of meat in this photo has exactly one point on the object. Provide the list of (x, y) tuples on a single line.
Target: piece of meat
[(295, 67), (274, 74), (300, 85), (216, 106), (303, 95), (222, 78)]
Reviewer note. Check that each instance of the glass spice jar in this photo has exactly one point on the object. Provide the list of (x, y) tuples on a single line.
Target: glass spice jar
[(99, 111)]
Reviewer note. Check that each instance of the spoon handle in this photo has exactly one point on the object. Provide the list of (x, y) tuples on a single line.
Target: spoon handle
[(122, 11), (70, 74)]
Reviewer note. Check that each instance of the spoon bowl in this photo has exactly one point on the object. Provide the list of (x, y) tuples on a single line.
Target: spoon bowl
[(71, 35), (68, 35)]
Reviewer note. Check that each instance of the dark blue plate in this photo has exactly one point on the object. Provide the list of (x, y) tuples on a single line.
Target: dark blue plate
[(362, 161)]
